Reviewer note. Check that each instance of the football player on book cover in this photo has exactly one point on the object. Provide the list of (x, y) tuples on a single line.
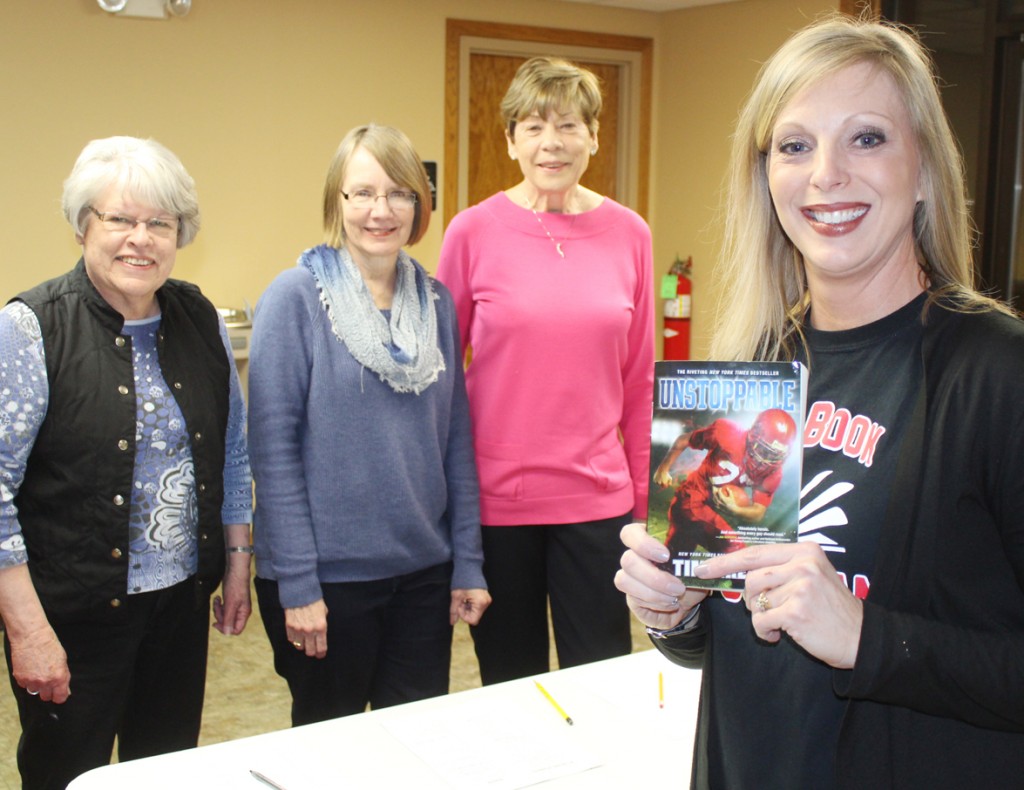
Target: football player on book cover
[(734, 483)]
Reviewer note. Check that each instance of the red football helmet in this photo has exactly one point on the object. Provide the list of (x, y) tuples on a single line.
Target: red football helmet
[(769, 440)]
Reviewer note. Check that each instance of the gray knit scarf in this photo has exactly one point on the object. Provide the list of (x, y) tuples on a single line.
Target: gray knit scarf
[(402, 351)]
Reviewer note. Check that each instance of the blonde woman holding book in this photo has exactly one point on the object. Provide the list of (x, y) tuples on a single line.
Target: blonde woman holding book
[(886, 648)]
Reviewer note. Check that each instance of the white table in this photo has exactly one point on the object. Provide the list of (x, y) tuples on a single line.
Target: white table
[(501, 736)]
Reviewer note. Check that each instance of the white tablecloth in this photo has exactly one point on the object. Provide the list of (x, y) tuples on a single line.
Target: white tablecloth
[(498, 737)]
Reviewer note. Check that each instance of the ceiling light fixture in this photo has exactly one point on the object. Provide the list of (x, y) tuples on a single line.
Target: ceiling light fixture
[(179, 7), (152, 9)]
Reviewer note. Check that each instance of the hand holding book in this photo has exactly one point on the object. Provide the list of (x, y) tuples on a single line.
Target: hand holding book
[(725, 461), (658, 599), (794, 588)]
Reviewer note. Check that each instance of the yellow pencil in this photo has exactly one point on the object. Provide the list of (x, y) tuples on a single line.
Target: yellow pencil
[(661, 690), (551, 699)]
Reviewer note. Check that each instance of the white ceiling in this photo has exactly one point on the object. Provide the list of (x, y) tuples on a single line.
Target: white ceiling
[(652, 5)]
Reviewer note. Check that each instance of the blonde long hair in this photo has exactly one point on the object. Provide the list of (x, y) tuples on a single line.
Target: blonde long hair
[(764, 297)]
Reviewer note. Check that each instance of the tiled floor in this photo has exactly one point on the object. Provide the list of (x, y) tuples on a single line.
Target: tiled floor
[(243, 694)]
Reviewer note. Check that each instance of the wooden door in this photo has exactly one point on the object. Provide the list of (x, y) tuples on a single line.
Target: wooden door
[(490, 168), (476, 163)]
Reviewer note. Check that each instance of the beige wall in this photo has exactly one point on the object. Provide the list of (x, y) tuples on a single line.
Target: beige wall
[(255, 96), (708, 58)]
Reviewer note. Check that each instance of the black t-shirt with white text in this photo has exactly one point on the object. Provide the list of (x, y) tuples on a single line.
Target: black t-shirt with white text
[(774, 718)]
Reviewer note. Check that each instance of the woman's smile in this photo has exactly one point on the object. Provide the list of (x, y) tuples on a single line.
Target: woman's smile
[(835, 220)]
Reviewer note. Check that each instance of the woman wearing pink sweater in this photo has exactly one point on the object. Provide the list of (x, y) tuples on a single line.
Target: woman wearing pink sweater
[(552, 286)]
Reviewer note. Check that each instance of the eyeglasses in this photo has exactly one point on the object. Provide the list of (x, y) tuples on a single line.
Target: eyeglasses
[(160, 227), (398, 199)]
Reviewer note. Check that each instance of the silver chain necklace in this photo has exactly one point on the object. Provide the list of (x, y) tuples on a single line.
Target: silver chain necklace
[(558, 244)]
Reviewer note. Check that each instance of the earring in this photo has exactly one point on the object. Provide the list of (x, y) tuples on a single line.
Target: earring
[(512, 156), (593, 151)]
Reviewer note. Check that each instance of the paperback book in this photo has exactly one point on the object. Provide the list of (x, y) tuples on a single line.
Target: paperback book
[(725, 460)]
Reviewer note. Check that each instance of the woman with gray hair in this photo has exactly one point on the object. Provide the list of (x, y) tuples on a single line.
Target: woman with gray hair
[(125, 491)]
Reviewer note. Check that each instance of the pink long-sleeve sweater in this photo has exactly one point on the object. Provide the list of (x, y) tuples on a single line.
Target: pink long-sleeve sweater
[(562, 358)]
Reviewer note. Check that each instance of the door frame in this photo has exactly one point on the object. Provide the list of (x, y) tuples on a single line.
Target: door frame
[(1001, 226), (635, 53)]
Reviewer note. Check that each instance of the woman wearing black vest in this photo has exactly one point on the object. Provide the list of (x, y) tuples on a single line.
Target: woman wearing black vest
[(124, 477)]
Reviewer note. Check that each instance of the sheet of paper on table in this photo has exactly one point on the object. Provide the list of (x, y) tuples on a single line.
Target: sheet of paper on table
[(497, 744)]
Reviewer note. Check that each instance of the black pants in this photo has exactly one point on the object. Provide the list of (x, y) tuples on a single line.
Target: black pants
[(573, 565), (388, 642), (142, 680)]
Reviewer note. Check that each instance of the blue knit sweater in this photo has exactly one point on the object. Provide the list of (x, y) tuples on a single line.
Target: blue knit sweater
[(354, 482)]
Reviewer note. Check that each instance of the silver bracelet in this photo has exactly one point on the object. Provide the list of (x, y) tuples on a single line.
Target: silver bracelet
[(239, 549), (688, 623)]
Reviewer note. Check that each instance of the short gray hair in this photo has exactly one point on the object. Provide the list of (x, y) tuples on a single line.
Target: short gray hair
[(144, 169)]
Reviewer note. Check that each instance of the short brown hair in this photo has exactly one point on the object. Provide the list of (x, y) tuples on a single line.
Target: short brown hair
[(395, 153), (544, 84)]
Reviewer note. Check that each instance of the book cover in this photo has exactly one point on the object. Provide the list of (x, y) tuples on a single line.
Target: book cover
[(725, 460)]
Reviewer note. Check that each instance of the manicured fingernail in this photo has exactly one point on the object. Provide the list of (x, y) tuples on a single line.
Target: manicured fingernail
[(701, 571)]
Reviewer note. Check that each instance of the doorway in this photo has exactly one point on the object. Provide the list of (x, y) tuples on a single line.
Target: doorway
[(490, 169), (482, 58), (978, 50), (1003, 242)]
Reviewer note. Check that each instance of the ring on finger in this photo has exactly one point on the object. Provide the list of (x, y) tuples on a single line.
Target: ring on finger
[(298, 645), (33, 693), (762, 602)]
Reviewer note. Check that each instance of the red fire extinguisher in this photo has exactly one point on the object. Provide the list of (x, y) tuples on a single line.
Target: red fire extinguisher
[(677, 309)]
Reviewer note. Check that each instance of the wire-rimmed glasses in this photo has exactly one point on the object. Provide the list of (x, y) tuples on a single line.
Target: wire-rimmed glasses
[(160, 227), (397, 199)]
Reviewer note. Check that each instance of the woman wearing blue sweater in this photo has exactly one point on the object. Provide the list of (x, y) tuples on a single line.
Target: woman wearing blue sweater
[(367, 530)]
